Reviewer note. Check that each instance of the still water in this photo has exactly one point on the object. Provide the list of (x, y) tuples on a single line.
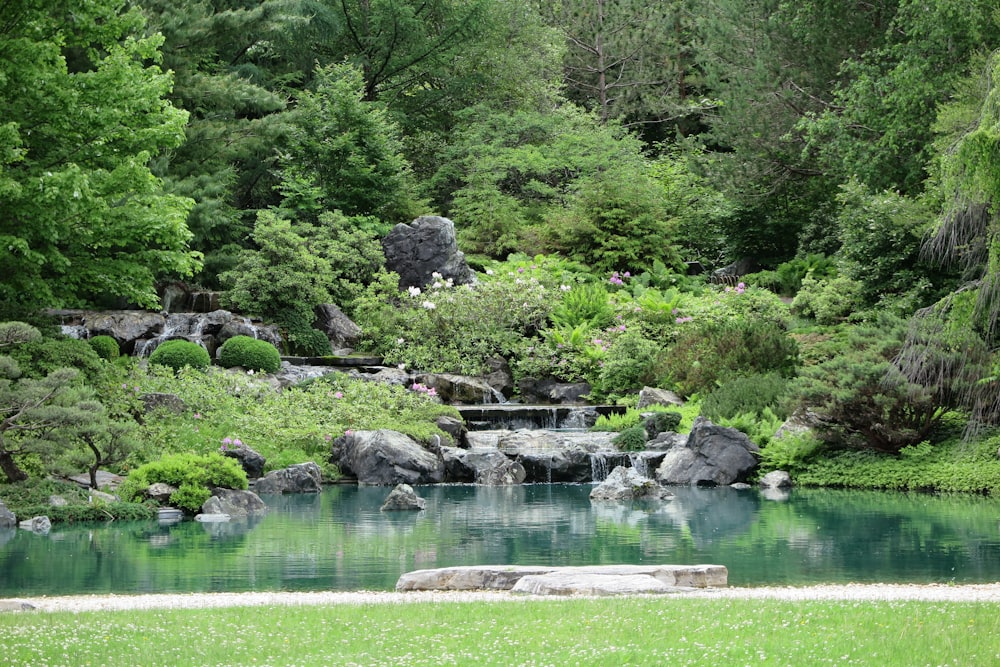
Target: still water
[(339, 540)]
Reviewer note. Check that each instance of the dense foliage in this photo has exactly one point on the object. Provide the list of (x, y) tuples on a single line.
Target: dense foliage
[(601, 162)]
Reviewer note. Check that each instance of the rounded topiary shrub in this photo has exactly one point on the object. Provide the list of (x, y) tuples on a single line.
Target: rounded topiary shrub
[(179, 353), (249, 353), (106, 347)]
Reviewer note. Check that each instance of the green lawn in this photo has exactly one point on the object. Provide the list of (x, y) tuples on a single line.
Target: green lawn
[(613, 631)]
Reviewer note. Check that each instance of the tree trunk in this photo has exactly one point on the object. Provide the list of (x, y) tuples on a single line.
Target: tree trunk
[(10, 468)]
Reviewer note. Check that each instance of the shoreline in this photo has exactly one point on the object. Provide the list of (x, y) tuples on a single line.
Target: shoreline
[(975, 593)]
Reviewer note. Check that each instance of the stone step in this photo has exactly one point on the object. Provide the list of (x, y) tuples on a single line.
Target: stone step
[(541, 580)]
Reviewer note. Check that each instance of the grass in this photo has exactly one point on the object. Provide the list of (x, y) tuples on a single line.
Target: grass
[(612, 631)]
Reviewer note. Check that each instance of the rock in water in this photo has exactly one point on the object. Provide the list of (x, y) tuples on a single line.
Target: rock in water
[(403, 497)]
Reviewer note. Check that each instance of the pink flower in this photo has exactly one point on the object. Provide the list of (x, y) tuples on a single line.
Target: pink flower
[(338, 394)]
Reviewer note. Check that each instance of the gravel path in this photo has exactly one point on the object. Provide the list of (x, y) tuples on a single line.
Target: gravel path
[(871, 592)]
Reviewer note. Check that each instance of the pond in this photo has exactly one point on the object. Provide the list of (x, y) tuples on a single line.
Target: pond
[(339, 540)]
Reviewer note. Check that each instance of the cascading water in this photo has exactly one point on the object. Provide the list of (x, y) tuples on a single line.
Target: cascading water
[(599, 466)]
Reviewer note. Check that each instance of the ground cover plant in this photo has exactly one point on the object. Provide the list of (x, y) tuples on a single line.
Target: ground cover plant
[(625, 631)]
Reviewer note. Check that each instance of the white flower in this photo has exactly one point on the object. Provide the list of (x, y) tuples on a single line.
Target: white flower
[(413, 290), (489, 272), (436, 276), (429, 305), (565, 288), (400, 341)]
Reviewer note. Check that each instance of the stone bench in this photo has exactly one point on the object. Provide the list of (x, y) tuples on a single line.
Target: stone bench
[(576, 580)]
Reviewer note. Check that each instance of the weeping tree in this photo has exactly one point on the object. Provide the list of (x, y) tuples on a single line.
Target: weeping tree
[(967, 181)]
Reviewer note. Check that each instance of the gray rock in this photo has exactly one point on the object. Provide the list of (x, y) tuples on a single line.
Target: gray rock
[(212, 518), (160, 492), (554, 456), (236, 503), (402, 498), (7, 518), (712, 455), (426, 246), (103, 497), (37, 524), (296, 478), (251, 461), (105, 480), (506, 577), (487, 467), (627, 484), (776, 479), (387, 458), (57, 501), (385, 376), (123, 325), (338, 327), (535, 390), (455, 428), (159, 401), (654, 396), (558, 583), (15, 605), (460, 389)]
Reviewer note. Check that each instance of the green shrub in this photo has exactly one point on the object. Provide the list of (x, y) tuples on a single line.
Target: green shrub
[(585, 304), (179, 353), (39, 358), (790, 452), (863, 398), (705, 356), (661, 422), (250, 353), (748, 394), (629, 365), (760, 428), (106, 347), (632, 439), (828, 301), (617, 421), (193, 475), (16, 333)]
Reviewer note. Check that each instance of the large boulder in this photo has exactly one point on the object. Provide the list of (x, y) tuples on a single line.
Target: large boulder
[(250, 460), (386, 458), (650, 396), (712, 456), (459, 389), (403, 498), (548, 391), (422, 248), (234, 502), (628, 484), (554, 456), (488, 467), (7, 518), (776, 479), (338, 327), (296, 478)]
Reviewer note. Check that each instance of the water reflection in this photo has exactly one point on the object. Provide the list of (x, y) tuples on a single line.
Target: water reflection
[(341, 540)]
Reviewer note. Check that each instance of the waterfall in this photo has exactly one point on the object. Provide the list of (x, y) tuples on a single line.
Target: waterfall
[(640, 464), (598, 467)]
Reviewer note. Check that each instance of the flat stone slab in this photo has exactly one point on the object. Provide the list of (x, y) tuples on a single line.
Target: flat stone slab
[(567, 583), (655, 578)]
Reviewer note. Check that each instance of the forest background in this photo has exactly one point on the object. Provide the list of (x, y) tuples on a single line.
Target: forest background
[(847, 154)]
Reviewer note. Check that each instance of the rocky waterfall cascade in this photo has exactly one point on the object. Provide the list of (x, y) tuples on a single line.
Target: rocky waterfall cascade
[(139, 332)]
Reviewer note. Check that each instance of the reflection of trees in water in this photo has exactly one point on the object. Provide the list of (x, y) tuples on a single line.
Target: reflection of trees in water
[(341, 540)]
